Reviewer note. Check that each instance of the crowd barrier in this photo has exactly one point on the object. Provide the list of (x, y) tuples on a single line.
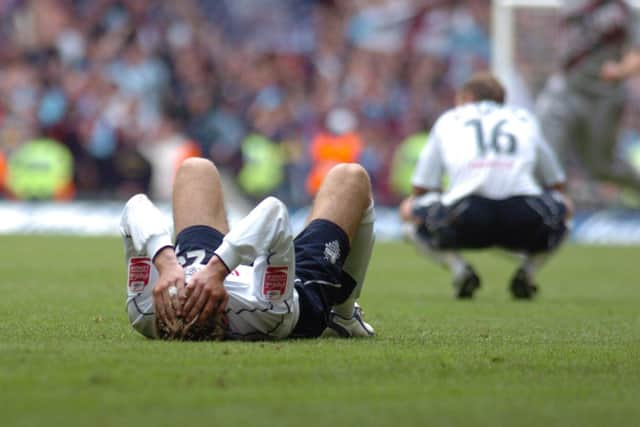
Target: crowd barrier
[(612, 227)]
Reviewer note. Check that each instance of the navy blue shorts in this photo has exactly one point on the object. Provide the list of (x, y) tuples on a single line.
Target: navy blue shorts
[(321, 249), (196, 244), (529, 224)]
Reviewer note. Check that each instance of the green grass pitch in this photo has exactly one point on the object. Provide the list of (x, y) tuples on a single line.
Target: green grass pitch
[(570, 358)]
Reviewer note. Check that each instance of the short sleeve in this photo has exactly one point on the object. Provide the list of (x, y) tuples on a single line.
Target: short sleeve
[(429, 169)]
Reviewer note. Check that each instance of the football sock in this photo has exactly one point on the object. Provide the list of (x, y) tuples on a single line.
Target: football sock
[(357, 261), (448, 259), (532, 263), (454, 262)]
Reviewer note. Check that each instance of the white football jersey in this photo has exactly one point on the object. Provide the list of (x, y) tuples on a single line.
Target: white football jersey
[(489, 150), (259, 251)]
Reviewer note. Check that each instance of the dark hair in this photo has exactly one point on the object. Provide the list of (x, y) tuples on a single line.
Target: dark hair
[(484, 87)]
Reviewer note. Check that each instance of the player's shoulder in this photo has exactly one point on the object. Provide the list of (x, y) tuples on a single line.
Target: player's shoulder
[(482, 109), (521, 114), (455, 116)]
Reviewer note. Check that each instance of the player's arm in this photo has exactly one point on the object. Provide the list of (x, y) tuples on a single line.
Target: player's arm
[(626, 67), (265, 230), (265, 233), (426, 180), (143, 223), (420, 197)]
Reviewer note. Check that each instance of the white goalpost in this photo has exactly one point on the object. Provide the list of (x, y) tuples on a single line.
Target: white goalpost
[(503, 32), (523, 36)]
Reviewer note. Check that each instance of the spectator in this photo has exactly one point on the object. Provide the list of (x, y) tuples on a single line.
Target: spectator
[(40, 169), (581, 107), (97, 75), (338, 142)]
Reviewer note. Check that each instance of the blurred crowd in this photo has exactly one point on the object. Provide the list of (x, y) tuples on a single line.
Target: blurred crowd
[(272, 90), (132, 86)]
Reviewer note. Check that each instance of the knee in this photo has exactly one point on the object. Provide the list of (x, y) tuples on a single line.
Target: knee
[(351, 174), (197, 166)]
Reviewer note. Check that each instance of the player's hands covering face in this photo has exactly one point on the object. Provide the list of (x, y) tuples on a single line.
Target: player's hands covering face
[(205, 292), (171, 273)]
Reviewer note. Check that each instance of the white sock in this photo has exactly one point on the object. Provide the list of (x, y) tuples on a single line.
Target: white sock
[(357, 262), (451, 260), (454, 262), (532, 263)]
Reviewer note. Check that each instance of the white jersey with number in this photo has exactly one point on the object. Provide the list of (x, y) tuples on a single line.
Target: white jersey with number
[(259, 251), (489, 150)]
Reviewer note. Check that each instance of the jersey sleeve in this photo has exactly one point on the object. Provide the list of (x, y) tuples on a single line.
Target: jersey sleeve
[(144, 226), (144, 232), (429, 169), (263, 238)]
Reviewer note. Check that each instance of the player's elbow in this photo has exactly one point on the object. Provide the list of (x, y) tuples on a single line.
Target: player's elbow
[(275, 207), (276, 215), (273, 203), (138, 198), (130, 206)]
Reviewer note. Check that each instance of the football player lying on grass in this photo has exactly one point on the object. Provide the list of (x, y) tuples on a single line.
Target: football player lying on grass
[(256, 281)]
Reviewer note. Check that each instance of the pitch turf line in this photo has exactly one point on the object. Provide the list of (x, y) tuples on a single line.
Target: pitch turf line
[(68, 357)]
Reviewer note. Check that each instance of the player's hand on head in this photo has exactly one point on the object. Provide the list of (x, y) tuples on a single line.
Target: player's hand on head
[(169, 285), (205, 292)]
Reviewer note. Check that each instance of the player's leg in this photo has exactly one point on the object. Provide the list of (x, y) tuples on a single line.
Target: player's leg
[(535, 229), (333, 251), (605, 119), (345, 198), (357, 261), (200, 224), (346, 318), (559, 112), (443, 230), (465, 279), (582, 131), (198, 197), (523, 284)]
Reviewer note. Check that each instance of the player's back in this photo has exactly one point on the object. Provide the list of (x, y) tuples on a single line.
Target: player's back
[(488, 149)]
